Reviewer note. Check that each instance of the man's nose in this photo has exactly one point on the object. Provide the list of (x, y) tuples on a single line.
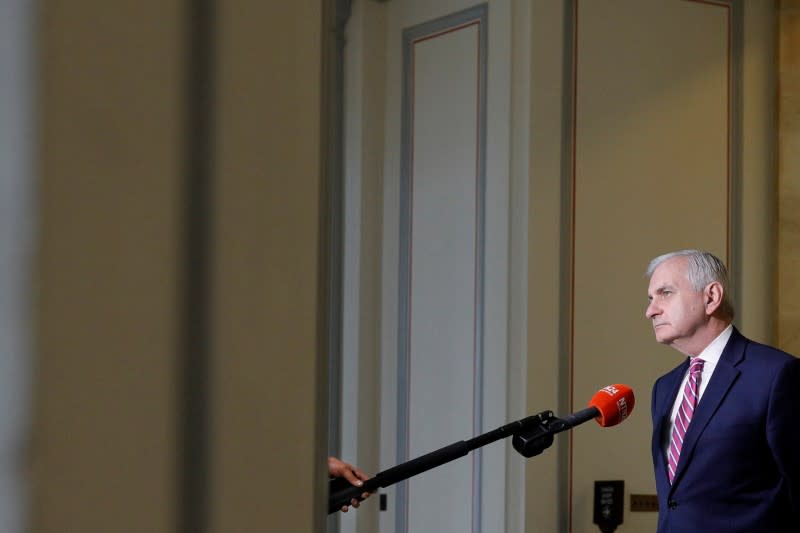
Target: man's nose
[(652, 310)]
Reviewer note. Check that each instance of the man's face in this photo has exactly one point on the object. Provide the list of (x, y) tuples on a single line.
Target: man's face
[(676, 310)]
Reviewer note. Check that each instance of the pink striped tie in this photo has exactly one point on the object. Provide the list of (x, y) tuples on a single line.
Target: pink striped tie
[(684, 416)]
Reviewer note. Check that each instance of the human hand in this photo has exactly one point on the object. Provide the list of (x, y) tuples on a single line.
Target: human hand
[(356, 477)]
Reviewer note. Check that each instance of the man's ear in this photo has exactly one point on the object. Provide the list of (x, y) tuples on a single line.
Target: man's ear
[(713, 294)]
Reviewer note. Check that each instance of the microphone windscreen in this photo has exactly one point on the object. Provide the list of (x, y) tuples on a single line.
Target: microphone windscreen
[(615, 403)]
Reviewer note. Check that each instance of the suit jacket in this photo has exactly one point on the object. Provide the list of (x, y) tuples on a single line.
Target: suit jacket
[(739, 468)]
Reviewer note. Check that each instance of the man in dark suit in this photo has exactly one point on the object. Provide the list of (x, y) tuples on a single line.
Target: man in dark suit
[(726, 421)]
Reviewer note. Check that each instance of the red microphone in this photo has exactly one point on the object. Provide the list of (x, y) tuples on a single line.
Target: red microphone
[(614, 403), (609, 406)]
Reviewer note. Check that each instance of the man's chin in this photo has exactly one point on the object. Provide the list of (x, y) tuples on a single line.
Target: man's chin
[(663, 338)]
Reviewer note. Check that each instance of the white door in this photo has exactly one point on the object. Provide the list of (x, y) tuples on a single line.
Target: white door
[(445, 260)]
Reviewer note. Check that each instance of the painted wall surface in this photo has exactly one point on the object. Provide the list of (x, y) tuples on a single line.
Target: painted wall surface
[(108, 447), (613, 138), (269, 374), (651, 175), (109, 155), (641, 127)]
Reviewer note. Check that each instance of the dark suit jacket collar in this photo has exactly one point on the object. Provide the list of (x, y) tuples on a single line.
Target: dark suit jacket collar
[(725, 374)]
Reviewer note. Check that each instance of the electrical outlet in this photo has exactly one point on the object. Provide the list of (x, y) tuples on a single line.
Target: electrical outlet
[(647, 503)]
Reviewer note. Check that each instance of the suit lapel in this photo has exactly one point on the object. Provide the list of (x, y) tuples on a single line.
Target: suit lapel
[(724, 376), (670, 390)]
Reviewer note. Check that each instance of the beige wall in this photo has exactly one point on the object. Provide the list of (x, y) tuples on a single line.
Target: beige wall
[(269, 378), (545, 505), (651, 174), (105, 453)]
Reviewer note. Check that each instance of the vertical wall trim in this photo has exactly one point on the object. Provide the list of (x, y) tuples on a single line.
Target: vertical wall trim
[(567, 258), (334, 158), (18, 228), (733, 259), (735, 177), (333, 253), (481, 12), (411, 36), (519, 248), (194, 423)]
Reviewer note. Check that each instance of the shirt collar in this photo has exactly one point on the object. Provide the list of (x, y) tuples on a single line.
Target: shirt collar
[(713, 351)]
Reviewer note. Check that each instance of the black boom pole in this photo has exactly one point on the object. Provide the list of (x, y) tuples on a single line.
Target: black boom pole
[(532, 435)]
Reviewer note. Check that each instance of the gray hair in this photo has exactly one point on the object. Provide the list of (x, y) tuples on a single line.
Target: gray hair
[(702, 268)]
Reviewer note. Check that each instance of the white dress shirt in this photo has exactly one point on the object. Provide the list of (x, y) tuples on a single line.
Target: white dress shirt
[(710, 355)]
